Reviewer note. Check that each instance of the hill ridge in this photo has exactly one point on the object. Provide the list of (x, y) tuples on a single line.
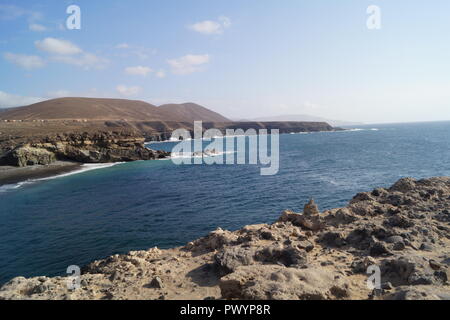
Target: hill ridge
[(80, 108)]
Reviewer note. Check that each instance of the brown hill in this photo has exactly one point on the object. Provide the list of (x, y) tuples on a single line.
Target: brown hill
[(110, 109), (191, 112)]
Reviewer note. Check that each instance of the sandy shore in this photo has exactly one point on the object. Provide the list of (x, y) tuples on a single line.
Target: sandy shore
[(11, 175)]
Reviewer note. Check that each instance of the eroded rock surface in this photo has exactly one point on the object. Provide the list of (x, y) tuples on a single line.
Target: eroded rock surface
[(404, 231), (99, 147)]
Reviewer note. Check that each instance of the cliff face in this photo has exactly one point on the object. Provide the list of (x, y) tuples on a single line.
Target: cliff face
[(100, 147), (162, 130), (404, 231), (25, 143)]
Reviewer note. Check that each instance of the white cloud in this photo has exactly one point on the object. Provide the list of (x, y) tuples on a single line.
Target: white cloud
[(25, 61), (141, 54), (123, 46), (85, 60), (211, 27), (128, 91), (37, 27), (8, 100), (10, 12), (58, 46), (67, 52), (161, 74), (188, 64), (207, 27), (128, 50), (138, 71)]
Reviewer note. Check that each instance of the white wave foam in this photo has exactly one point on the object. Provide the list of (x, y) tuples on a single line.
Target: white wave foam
[(187, 155), (359, 129), (190, 139), (7, 187), (84, 168)]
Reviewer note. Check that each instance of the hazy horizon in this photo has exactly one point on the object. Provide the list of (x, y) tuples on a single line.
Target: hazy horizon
[(257, 118), (243, 60)]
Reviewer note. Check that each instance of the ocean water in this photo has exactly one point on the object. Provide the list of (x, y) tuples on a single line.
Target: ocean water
[(47, 225)]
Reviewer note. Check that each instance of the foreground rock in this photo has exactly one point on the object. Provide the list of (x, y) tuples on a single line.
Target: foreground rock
[(404, 231)]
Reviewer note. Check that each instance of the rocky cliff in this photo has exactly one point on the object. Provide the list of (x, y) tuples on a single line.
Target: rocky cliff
[(403, 231), (97, 147), (41, 142)]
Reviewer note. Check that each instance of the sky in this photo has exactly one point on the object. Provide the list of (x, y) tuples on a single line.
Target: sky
[(244, 59)]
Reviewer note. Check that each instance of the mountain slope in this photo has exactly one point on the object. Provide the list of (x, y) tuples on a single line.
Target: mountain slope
[(192, 112), (110, 109)]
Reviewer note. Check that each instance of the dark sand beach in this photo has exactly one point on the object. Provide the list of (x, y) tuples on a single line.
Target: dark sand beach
[(11, 175)]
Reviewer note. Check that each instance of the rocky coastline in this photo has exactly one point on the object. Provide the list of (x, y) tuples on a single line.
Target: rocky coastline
[(57, 146), (98, 147), (403, 230), (44, 156)]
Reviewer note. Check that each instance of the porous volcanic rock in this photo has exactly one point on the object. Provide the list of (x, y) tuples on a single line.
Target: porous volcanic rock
[(98, 147), (404, 231)]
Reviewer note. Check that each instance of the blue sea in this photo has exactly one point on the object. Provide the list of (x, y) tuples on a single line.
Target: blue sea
[(47, 225)]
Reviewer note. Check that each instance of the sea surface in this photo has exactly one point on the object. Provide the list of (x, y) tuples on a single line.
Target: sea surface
[(49, 224)]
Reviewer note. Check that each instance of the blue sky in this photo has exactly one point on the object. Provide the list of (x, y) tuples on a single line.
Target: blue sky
[(245, 59)]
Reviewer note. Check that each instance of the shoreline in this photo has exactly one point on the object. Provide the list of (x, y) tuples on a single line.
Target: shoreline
[(12, 175), (310, 255), (148, 142)]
